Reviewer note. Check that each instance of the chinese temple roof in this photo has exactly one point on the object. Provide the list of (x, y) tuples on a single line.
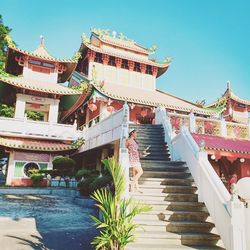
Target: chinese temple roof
[(37, 145), (223, 144), (141, 96), (229, 94), (139, 53), (35, 85), (119, 39), (12, 66)]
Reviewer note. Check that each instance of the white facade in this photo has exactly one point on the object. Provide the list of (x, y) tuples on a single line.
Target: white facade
[(116, 75)]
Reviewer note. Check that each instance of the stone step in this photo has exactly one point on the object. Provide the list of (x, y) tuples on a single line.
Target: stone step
[(197, 239), (147, 195), (163, 206), (175, 216), (175, 226), (156, 157), (158, 182), (168, 174), (163, 163), (155, 246), (160, 168)]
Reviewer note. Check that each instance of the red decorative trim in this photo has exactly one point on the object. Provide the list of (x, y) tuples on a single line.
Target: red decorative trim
[(91, 55), (143, 68), (154, 71), (105, 59), (118, 62), (131, 65)]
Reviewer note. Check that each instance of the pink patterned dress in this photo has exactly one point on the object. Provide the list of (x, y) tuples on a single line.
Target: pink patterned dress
[(134, 157)]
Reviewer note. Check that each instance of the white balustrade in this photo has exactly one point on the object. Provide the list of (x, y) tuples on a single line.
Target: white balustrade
[(210, 126), (36, 129), (231, 219), (103, 132)]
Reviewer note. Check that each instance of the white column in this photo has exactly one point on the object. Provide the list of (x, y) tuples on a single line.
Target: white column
[(236, 210), (20, 106), (223, 127), (192, 122), (249, 128), (53, 111), (123, 151), (11, 169)]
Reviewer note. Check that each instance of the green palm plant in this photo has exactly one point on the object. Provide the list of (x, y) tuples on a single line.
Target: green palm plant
[(116, 225)]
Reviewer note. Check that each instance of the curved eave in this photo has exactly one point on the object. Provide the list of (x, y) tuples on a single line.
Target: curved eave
[(135, 47), (238, 99), (13, 68), (62, 91), (156, 104), (162, 67), (23, 147), (52, 59), (78, 103)]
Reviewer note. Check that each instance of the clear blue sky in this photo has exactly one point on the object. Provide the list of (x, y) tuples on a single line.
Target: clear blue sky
[(208, 40)]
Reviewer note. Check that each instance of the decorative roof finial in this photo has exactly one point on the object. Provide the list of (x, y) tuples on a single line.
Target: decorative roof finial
[(228, 85), (114, 33), (42, 40)]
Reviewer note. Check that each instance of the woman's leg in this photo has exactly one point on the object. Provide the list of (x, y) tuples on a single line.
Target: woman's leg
[(138, 173)]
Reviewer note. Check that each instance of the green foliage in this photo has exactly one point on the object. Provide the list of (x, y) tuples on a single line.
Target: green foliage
[(100, 182), (34, 115), (117, 227), (83, 173), (64, 165), (6, 111), (36, 177), (85, 185), (5, 40)]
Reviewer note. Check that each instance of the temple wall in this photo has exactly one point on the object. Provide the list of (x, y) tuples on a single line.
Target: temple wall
[(121, 76), (43, 77), (18, 160)]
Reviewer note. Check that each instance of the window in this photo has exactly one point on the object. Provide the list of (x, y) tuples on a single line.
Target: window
[(149, 70), (111, 61), (29, 166), (98, 57), (137, 67), (43, 64), (124, 64)]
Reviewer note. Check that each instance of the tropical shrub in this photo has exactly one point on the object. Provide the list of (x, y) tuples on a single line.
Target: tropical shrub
[(6, 111), (116, 225), (64, 165), (85, 185), (85, 173), (36, 177), (100, 182)]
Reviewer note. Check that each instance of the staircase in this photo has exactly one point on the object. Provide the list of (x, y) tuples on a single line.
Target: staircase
[(177, 220)]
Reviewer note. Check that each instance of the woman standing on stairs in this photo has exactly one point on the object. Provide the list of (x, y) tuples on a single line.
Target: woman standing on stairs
[(134, 159)]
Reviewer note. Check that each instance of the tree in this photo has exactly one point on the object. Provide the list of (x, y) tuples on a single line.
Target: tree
[(4, 42), (116, 224)]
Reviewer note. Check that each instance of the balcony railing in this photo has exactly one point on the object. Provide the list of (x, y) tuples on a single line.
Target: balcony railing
[(36, 129), (209, 126)]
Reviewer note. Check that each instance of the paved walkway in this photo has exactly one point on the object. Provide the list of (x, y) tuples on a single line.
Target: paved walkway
[(43, 222)]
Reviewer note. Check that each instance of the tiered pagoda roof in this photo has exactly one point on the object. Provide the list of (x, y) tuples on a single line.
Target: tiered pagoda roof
[(12, 66), (229, 94), (121, 47)]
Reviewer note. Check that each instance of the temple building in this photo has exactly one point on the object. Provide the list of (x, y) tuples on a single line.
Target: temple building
[(116, 70), (31, 137), (111, 71)]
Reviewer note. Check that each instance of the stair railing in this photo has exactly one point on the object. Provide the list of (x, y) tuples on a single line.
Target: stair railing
[(123, 151), (162, 118), (226, 211)]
